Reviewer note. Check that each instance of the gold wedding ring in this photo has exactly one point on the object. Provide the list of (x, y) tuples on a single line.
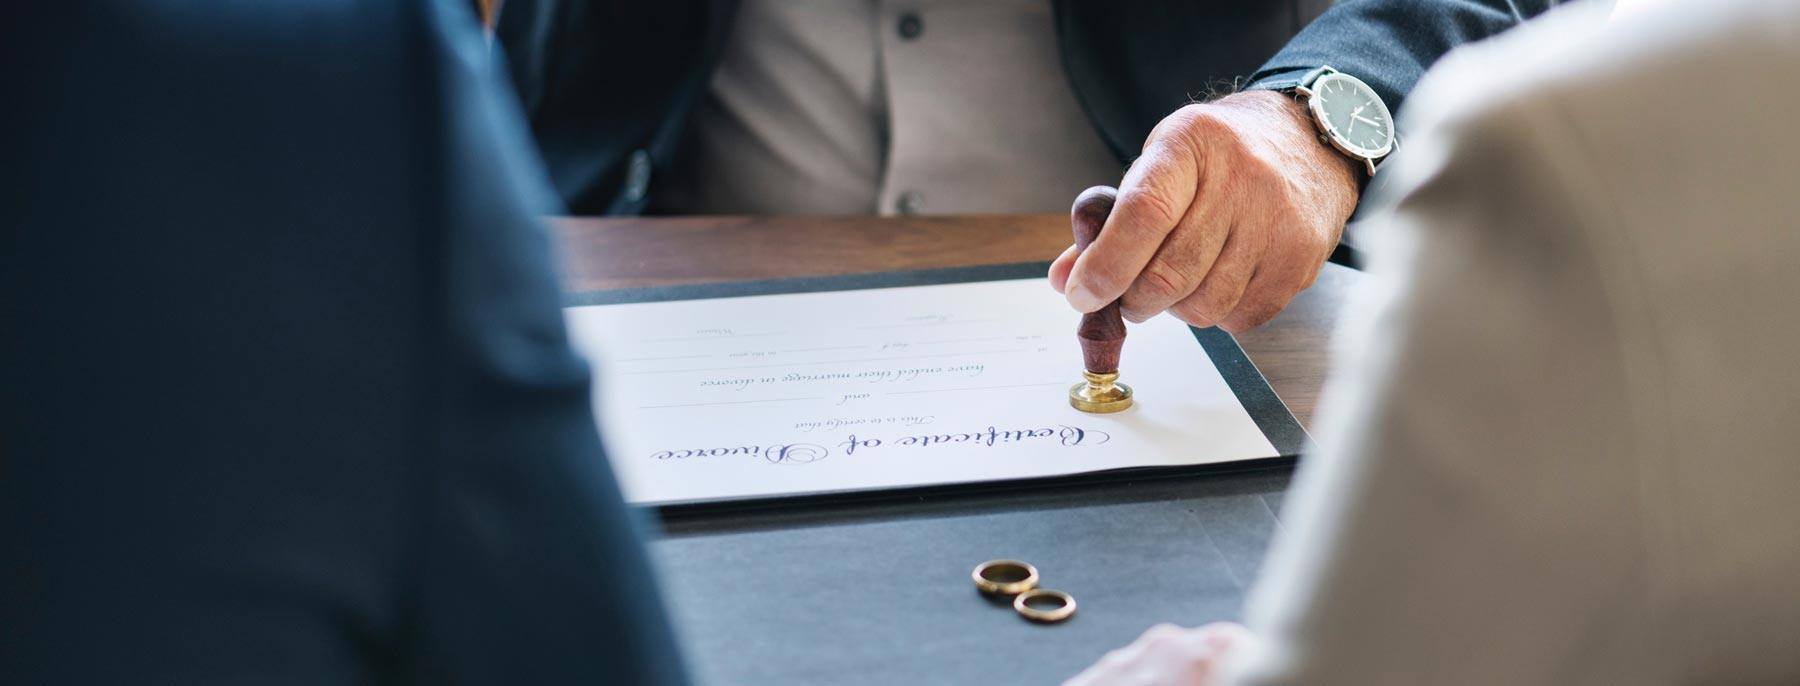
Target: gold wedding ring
[(1064, 609), (1005, 577)]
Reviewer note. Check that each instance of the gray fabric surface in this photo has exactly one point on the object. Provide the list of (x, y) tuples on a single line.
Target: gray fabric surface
[(879, 593)]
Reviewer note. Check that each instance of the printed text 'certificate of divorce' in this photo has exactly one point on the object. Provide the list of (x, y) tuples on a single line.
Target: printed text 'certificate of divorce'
[(831, 392)]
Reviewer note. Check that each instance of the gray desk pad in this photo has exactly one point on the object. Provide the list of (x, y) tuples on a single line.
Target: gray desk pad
[(879, 592)]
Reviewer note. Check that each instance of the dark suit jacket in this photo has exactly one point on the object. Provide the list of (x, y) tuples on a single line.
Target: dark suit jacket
[(609, 84), (286, 393)]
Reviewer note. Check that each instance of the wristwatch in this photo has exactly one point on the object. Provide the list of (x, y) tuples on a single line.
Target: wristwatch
[(1349, 114)]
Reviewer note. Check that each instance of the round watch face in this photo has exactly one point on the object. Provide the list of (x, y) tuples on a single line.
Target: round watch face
[(1353, 115)]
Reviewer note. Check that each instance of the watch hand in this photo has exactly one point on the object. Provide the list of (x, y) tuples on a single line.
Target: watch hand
[(1371, 122), (1355, 114)]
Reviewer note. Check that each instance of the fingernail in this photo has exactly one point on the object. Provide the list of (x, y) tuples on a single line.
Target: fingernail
[(1083, 299)]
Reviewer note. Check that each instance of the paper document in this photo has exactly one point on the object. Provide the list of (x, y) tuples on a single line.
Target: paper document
[(827, 392)]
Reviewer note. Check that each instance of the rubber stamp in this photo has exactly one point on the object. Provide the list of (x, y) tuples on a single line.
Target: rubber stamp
[(1102, 332)]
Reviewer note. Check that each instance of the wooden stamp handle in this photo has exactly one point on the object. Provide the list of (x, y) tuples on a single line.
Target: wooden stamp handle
[(1102, 331)]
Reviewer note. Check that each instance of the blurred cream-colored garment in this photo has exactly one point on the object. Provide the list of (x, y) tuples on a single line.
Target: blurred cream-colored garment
[(884, 107), (1564, 442)]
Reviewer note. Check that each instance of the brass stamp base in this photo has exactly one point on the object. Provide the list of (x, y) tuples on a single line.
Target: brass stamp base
[(1100, 394)]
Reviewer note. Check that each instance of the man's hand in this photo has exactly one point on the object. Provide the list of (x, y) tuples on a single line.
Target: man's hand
[(1167, 655), (1231, 211)]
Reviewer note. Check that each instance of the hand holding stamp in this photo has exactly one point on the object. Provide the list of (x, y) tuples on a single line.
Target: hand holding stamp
[(1102, 332)]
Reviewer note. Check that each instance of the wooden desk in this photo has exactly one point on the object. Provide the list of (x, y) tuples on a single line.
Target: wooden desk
[(624, 253), (879, 593)]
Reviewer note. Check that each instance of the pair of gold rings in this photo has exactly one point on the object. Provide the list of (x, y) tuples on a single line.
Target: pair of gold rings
[(1020, 580)]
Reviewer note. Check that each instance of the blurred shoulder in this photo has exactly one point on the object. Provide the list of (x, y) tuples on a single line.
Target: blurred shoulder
[(239, 35), (1589, 55), (1629, 118)]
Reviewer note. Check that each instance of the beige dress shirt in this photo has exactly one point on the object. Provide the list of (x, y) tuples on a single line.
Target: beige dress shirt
[(1563, 445), (889, 107)]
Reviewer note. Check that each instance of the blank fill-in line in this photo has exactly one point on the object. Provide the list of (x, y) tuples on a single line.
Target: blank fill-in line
[(814, 350), (653, 359), (805, 364), (978, 388), (953, 321), (962, 340), (724, 337), (730, 402)]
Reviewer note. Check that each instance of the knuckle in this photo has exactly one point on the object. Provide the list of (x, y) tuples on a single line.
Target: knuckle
[(1313, 249), (1148, 210), (1251, 316), (1213, 303), (1194, 314), (1297, 267), (1116, 662), (1233, 275), (1314, 277), (1179, 120), (1303, 270), (1204, 120), (1260, 242), (1221, 635), (1161, 282), (1161, 633), (1161, 642)]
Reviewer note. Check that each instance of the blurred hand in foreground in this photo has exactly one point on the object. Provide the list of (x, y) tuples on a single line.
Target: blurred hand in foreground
[(1167, 655)]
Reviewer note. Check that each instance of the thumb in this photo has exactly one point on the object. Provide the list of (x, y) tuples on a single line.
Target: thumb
[(1059, 269)]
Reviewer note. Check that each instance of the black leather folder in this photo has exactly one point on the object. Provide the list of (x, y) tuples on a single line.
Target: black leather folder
[(1264, 408)]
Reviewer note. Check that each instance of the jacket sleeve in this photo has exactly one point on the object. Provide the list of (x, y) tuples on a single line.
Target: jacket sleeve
[(1390, 43), (530, 567), (606, 86)]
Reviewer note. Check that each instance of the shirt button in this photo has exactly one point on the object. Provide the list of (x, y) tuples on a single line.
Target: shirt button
[(911, 26), (910, 202), (637, 176)]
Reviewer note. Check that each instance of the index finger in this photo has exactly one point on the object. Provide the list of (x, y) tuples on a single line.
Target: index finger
[(1153, 197)]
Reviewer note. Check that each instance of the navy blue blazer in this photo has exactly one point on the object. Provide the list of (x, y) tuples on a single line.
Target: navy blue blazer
[(608, 85), (287, 395)]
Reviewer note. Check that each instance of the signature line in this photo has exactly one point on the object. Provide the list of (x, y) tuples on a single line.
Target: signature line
[(715, 337), (948, 323), (977, 388), (960, 340), (804, 364), (731, 402), (653, 359)]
